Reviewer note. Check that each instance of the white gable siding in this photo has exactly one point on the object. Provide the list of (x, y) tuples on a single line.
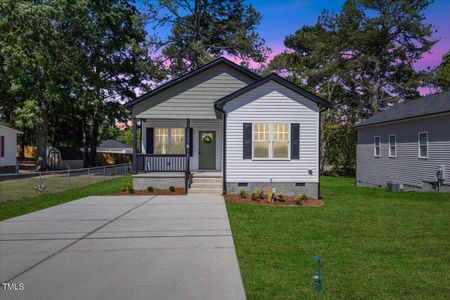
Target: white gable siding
[(272, 102), (196, 125)]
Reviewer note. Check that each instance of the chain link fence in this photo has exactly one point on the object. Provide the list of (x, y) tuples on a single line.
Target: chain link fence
[(28, 185)]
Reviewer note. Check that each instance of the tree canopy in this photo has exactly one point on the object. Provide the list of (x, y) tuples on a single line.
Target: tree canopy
[(360, 58), (201, 30)]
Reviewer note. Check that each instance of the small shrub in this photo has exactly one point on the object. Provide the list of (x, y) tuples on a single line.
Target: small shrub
[(261, 194), (242, 193), (281, 197), (130, 189), (172, 188), (124, 189), (150, 189), (301, 199), (255, 196)]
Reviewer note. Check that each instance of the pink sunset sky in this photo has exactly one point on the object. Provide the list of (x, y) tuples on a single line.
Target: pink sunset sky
[(281, 18)]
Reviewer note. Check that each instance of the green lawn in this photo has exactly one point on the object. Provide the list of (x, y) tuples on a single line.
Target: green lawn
[(374, 245), (10, 209)]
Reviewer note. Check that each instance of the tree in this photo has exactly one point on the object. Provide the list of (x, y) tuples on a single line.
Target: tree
[(33, 64), (440, 76), (204, 29), (67, 64), (361, 58)]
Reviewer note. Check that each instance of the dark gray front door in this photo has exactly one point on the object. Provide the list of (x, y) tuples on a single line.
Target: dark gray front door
[(207, 149)]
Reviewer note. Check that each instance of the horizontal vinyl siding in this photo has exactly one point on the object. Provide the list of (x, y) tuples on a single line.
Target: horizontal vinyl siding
[(193, 98), (406, 167), (272, 102), (196, 125)]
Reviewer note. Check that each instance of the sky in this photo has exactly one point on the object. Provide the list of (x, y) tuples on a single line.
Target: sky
[(283, 17)]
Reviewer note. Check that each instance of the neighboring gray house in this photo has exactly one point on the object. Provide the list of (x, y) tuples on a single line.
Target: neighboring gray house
[(224, 128), (113, 146), (408, 144)]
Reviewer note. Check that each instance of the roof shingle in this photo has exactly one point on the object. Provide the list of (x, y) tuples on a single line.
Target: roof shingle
[(428, 105)]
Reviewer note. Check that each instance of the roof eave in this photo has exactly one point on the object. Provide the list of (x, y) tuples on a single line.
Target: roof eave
[(400, 119)]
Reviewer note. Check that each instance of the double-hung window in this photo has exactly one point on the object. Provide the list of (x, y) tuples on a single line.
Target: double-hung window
[(423, 144), (392, 145), (169, 141), (377, 146), (271, 141)]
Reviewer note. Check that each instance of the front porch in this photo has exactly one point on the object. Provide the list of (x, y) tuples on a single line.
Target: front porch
[(167, 152)]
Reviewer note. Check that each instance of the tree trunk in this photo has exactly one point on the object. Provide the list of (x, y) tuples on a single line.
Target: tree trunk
[(94, 138), (41, 142), (85, 140), (22, 146)]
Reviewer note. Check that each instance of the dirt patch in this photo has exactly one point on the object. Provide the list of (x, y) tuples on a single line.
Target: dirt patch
[(289, 201), (178, 191)]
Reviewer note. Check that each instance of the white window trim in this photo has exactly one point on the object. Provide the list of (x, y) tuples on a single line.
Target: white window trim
[(395, 145), (418, 144), (169, 140), (375, 146), (271, 141)]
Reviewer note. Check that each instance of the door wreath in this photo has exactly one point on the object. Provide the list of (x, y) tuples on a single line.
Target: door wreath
[(207, 139)]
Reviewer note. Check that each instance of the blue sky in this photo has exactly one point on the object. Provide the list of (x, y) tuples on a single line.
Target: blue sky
[(281, 18)]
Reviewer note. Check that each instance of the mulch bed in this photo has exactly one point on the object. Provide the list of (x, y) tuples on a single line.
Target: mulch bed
[(178, 191), (290, 201)]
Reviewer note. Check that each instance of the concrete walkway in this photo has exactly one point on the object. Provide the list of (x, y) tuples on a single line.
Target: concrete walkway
[(121, 247)]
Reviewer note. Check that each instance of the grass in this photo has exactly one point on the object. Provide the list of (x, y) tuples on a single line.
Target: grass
[(10, 209), (24, 187), (374, 245)]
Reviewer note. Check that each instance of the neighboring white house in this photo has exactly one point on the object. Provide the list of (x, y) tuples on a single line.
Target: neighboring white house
[(221, 120), (8, 146)]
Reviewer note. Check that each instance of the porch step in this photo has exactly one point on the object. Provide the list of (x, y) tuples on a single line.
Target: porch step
[(207, 180), (207, 175), (213, 191), (207, 185)]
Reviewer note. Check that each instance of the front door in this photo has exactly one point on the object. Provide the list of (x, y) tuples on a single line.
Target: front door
[(207, 150)]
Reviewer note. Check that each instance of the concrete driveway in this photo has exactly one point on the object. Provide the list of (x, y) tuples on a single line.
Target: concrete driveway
[(121, 247)]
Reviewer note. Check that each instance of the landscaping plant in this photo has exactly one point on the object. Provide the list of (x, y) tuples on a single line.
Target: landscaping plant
[(255, 195), (150, 189), (301, 199), (172, 188), (242, 193), (281, 197), (130, 189)]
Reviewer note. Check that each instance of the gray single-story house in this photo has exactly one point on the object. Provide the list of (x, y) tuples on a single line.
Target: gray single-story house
[(407, 145), (113, 146), (222, 128)]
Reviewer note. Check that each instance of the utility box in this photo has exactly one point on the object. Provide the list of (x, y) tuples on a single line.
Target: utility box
[(394, 187), (440, 174)]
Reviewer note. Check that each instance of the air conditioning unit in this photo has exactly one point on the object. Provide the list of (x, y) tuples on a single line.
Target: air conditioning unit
[(394, 187)]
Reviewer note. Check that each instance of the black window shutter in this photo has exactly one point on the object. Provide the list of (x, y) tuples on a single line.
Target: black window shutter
[(2, 145), (191, 141), (247, 141), (295, 141), (149, 144)]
